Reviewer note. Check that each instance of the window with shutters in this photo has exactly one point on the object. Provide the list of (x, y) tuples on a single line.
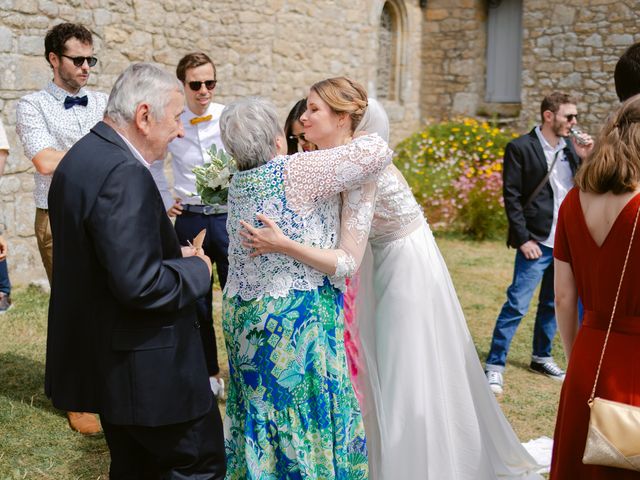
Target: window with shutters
[(504, 51)]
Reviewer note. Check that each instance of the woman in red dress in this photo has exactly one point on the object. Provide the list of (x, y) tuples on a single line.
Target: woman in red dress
[(593, 234)]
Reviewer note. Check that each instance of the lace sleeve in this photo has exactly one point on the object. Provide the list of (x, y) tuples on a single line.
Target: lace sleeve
[(355, 222), (313, 176)]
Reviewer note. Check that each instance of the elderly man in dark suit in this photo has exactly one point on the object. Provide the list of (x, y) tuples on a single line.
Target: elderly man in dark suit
[(538, 172), (124, 338)]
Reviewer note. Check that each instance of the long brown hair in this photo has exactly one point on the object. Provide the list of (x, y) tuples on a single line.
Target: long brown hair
[(343, 95), (614, 164)]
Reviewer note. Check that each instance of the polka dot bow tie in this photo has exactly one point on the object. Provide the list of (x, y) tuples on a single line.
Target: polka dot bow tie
[(70, 102), (197, 120)]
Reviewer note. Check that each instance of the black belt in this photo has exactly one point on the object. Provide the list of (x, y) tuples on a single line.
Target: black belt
[(205, 209)]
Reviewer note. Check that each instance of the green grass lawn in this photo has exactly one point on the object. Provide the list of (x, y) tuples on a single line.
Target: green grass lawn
[(35, 442)]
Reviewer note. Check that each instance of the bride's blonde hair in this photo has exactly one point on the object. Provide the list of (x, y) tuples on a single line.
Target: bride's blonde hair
[(343, 95)]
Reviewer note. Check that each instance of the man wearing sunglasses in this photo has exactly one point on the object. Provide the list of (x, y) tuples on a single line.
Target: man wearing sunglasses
[(197, 72), (48, 123), (537, 174)]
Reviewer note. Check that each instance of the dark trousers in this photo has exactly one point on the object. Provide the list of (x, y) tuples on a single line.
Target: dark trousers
[(190, 450), (216, 244), (5, 284)]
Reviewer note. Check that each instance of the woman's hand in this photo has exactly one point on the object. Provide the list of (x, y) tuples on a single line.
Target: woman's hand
[(268, 239)]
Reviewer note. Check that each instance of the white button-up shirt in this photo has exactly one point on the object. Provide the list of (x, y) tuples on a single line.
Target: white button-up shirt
[(191, 151), (43, 122), (4, 143), (154, 168), (561, 179)]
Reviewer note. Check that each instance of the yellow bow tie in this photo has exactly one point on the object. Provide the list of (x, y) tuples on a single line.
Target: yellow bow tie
[(197, 120)]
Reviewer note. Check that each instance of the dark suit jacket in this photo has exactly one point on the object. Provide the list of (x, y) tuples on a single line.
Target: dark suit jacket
[(524, 168), (123, 337)]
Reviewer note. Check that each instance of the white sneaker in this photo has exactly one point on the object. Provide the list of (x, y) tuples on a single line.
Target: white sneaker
[(495, 381), (217, 387)]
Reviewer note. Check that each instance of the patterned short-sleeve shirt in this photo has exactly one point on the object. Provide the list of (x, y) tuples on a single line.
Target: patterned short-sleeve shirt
[(43, 122), (4, 143)]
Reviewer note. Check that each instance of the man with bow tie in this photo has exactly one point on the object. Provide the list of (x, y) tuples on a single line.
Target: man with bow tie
[(48, 123), (197, 72)]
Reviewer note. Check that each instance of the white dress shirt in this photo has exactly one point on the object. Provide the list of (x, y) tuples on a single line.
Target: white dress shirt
[(191, 151), (4, 143), (43, 122), (154, 168), (561, 179)]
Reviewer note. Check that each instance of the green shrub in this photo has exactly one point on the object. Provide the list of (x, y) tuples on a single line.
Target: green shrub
[(455, 171)]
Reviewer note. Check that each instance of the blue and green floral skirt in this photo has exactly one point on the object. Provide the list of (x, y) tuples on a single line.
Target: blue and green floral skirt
[(291, 410)]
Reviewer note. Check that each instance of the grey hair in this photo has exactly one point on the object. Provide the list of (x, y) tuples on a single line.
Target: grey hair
[(375, 120), (249, 128), (141, 83)]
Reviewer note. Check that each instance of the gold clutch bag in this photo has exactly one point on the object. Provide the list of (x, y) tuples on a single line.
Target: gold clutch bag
[(613, 438)]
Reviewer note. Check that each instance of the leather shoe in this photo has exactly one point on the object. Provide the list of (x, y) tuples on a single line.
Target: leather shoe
[(84, 423)]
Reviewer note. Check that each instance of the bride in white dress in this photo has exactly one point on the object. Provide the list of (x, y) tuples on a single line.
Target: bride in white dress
[(428, 411)]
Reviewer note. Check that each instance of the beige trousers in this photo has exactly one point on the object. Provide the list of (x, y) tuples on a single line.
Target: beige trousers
[(45, 241)]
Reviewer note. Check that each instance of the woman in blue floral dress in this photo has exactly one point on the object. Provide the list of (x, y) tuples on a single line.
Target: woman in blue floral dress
[(291, 409)]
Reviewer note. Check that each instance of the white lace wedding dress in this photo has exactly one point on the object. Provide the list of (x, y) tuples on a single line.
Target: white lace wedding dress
[(428, 411)]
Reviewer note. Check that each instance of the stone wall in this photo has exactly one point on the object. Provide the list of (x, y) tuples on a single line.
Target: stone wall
[(571, 45), (454, 44), (277, 48), (272, 48)]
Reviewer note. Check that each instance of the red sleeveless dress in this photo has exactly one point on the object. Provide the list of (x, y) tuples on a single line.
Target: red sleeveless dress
[(597, 273)]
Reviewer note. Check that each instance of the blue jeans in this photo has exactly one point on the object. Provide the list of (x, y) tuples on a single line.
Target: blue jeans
[(527, 275), (5, 284)]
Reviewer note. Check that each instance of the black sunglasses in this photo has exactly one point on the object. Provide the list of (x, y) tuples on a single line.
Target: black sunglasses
[(210, 84), (79, 61), (571, 116), (298, 138)]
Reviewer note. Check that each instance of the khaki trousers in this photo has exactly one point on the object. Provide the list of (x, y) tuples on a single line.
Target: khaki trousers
[(45, 241)]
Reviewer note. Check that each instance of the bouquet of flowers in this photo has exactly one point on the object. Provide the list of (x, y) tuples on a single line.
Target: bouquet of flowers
[(213, 177)]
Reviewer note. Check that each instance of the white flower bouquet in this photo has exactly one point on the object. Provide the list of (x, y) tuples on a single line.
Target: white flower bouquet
[(213, 177)]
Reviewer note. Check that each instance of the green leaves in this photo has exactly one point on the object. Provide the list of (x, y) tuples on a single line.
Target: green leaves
[(213, 177)]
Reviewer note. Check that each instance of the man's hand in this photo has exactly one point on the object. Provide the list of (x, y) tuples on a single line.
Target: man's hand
[(531, 250), (583, 149), (205, 259), (3, 248), (176, 208)]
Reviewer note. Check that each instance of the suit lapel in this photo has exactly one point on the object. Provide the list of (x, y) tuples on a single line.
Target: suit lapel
[(537, 148)]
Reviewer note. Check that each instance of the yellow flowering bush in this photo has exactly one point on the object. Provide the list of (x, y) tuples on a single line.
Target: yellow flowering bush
[(455, 171)]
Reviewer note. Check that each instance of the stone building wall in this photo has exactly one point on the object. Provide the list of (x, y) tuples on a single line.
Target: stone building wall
[(454, 44), (571, 45), (271, 48), (277, 48)]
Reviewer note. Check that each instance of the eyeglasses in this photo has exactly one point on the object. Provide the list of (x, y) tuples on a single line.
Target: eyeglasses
[(195, 86), (571, 116), (79, 61), (298, 138)]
